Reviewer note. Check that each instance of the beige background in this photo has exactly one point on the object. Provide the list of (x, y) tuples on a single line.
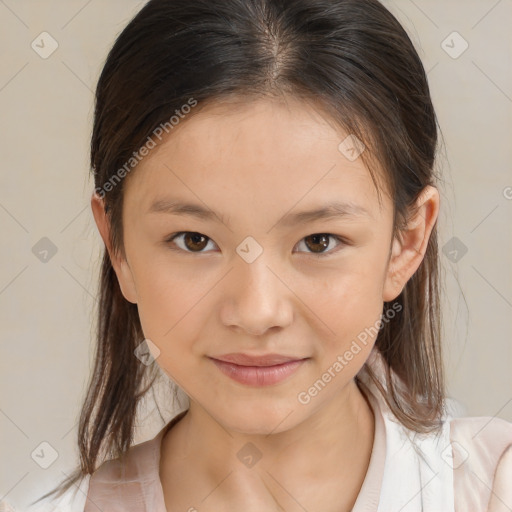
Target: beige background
[(46, 308)]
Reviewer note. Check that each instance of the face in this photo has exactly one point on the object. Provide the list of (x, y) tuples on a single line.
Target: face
[(254, 277)]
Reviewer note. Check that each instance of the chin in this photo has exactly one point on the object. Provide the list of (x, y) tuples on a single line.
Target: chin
[(253, 419)]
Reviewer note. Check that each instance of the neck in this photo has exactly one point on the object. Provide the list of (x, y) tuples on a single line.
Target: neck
[(333, 445)]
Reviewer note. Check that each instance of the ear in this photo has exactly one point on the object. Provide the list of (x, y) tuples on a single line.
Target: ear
[(120, 265), (408, 250)]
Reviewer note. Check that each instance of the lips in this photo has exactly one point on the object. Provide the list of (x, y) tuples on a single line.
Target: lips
[(259, 375), (264, 360), (258, 371)]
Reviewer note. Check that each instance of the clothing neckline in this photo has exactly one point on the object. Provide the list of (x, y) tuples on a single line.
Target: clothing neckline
[(368, 498), (369, 495)]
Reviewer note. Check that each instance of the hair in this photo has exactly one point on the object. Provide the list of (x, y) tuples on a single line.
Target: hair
[(350, 58)]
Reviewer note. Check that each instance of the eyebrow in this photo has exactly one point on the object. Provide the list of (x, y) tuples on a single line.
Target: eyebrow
[(330, 210)]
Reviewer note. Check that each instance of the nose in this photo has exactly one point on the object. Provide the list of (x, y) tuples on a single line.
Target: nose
[(256, 298)]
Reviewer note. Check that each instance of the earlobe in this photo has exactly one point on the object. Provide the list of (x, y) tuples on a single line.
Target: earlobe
[(408, 251), (126, 282), (120, 265)]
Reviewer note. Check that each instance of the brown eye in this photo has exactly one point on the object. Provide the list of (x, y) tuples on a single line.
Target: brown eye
[(190, 241), (318, 243)]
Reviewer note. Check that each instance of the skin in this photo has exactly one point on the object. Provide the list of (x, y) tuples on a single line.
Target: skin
[(252, 163)]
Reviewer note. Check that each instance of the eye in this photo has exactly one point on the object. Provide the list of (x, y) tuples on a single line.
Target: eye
[(191, 241), (320, 241), (194, 242)]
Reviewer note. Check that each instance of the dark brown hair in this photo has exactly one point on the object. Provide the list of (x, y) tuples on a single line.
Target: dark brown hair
[(352, 59)]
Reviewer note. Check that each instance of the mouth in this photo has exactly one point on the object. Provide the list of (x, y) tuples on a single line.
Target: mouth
[(263, 360), (258, 371)]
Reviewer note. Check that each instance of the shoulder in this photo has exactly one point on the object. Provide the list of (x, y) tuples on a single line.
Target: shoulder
[(137, 460), (481, 461), (483, 439), (130, 483), (119, 483)]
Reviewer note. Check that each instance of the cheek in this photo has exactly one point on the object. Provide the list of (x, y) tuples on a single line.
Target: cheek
[(173, 306), (166, 286), (349, 305)]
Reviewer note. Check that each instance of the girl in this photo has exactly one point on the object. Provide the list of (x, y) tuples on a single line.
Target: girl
[(265, 190)]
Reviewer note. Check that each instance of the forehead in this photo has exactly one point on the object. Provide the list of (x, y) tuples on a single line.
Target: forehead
[(264, 152)]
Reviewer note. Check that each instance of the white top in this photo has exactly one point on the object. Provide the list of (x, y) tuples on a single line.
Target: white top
[(467, 467)]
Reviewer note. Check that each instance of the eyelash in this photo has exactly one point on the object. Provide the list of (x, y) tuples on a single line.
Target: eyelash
[(342, 242)]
